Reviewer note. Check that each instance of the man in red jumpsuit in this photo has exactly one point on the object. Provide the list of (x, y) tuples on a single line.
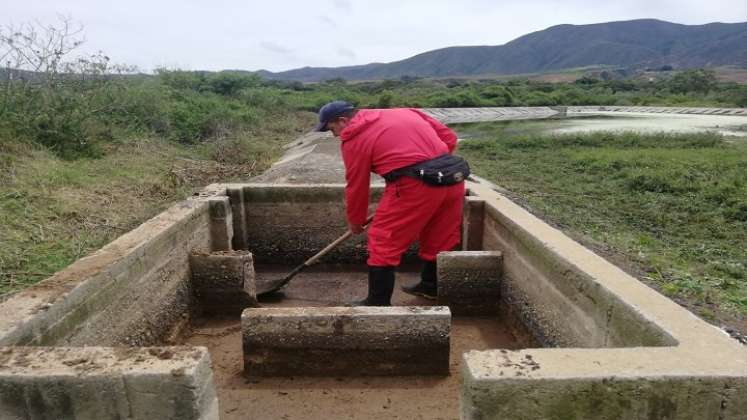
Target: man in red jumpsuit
[(380, 141)]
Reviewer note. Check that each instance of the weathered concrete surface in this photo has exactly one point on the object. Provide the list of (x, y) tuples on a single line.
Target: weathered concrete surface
[(134, 291), (304, 219), (657, 110), (464, 115), (314, 158), (473, 219), (341, 341), (469, 282), (238, 217), (605, 384), (221, 223), (564, 305), (64, 383), (223, 281), (576, 298), (131, 292)]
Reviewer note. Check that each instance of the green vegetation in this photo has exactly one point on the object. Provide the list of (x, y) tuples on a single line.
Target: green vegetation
[(75, 116), (75, 148), (674, 205), (688, 88), (88, 150)]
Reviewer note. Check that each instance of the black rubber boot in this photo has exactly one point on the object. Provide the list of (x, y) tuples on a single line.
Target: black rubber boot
[(428, 285), (380, 287)]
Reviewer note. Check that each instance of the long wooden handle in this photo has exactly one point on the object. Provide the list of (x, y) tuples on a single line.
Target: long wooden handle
[(334, 244)]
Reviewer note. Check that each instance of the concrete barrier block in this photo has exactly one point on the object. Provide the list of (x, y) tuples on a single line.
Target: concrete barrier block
[(469, 282), (221, 224), (473, 223), (223, 282), (103, 383), (238, 215), (599, 385), (339, 341)]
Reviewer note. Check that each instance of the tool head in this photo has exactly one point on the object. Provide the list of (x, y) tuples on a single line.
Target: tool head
[(274, 285)]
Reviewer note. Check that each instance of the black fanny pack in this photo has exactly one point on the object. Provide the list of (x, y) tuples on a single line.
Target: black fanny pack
[(442, 171)]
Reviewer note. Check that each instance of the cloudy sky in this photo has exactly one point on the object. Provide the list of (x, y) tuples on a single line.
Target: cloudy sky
[(280, 34)]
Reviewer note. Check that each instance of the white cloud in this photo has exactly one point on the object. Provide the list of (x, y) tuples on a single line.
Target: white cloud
[(276, 48), (347, 53)]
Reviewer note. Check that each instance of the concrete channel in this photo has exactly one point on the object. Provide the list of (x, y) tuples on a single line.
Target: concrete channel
[(165, 323)]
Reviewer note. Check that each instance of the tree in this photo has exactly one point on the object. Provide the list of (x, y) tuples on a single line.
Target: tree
[(701, 81), (47, 94)]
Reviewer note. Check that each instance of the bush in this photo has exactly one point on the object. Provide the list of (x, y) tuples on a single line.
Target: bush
[(385, 100), (693, 81), (462, 99), (498, 95), (194, 117)]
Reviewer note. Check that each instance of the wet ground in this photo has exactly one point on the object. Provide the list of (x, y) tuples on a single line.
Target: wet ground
[(417, 397)]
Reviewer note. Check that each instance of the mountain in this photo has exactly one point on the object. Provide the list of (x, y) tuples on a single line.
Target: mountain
[(635, 43)]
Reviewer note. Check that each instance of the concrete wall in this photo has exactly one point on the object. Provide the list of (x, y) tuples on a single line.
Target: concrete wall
[(563, 305), (465, 115), (289, 223), (131, 292), (666, 364), (605, 385), (134, 291), (659, 110)]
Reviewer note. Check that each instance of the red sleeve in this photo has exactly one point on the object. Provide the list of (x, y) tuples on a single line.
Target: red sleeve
[(358, 177), (446, 134)]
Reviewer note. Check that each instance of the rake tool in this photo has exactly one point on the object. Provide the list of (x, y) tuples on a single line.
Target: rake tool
[(277, 284)]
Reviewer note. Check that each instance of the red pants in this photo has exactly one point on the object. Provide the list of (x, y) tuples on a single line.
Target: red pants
[(410, 211)]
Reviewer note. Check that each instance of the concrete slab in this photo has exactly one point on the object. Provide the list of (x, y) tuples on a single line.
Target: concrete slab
[(339, 341), (99, 383)]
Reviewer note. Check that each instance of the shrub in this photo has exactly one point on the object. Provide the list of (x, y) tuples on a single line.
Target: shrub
[(194, 117)]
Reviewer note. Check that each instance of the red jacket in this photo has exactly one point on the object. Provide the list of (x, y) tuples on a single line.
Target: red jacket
[(382, 140)]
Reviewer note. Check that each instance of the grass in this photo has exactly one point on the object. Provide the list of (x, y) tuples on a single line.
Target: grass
[(673, 205), (54, 211)]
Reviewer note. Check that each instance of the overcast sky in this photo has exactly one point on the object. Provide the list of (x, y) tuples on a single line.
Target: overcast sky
[(280, 35)]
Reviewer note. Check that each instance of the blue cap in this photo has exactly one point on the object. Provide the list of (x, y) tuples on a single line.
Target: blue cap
[(330, 112)]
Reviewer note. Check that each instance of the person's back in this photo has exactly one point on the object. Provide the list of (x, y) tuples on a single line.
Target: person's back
[(394, 138), (381, 141)]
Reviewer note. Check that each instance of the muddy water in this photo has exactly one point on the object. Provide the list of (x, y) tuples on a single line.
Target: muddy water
[(342, 398), (728, 125)]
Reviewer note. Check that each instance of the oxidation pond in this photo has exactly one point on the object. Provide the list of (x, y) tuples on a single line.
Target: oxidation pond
[(727, 125)]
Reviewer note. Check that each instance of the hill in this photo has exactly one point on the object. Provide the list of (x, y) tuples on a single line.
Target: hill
[(631, 44)]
